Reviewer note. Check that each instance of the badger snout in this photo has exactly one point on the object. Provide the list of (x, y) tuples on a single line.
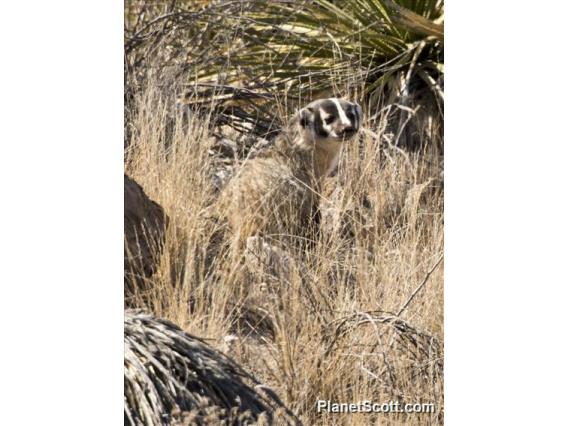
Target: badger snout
[(346, 131)]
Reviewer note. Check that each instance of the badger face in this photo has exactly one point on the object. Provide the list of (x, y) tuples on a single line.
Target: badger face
[(332, 118)]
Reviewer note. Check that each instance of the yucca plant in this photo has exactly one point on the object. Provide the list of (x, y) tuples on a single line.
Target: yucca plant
[(371, 49), (245, 55), (287, 41)]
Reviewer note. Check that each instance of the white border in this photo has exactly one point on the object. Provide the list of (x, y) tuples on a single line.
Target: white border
[(506, 213), (61, 164), (61, 216)]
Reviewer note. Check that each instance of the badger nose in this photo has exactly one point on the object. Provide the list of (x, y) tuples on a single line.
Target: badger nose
[(346, 130)]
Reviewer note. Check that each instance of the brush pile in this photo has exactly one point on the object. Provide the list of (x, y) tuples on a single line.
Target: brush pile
[(173, 378)]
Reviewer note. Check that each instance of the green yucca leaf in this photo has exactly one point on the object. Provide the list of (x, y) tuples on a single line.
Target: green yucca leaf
[(351, 30), (317, 46)]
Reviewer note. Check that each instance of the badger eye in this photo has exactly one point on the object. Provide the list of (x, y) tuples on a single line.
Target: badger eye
[(329, 119)]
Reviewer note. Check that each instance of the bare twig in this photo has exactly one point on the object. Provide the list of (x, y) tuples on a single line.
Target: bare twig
[(422, 284)]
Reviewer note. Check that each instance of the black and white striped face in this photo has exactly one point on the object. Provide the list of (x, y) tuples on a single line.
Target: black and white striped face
[(332, 118)]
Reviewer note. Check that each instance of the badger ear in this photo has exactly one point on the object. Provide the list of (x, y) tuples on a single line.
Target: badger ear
[(306, 116), (358, 110)]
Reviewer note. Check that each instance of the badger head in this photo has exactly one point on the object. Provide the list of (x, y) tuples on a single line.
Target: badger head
[(331, 119)]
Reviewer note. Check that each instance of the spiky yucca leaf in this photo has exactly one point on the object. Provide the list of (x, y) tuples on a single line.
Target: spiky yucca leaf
[(303, 44), (315, 48), (243, 58)]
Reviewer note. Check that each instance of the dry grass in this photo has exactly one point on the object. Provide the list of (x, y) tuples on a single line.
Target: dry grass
[(329, 330)]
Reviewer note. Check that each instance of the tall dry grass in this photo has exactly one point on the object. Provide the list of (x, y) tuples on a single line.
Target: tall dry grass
[(331, 329)]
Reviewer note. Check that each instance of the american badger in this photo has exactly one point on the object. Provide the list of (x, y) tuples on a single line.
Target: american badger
[(276, 194)]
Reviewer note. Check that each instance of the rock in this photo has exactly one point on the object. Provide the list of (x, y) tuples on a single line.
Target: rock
[(145, 223)]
